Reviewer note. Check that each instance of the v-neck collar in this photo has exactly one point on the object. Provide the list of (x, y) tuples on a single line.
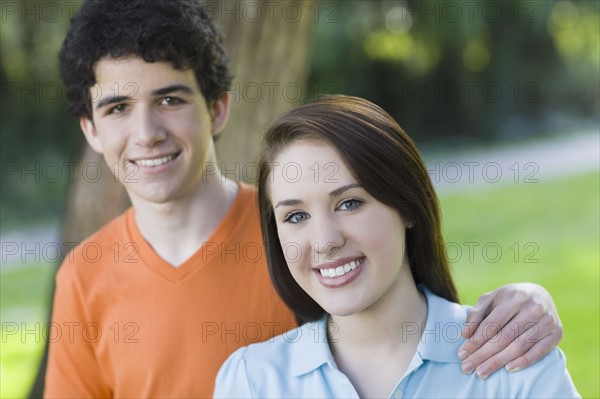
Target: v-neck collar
[(206, 253)]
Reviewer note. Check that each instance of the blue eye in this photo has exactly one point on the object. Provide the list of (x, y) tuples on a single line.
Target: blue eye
[(350, 204), (296, 217)]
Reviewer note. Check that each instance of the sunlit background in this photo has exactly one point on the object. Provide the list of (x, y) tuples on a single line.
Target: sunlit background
[(502, 98)]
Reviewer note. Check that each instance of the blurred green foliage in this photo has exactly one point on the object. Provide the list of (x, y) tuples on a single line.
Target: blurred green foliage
[(459, 71), (36, 132), (449, 71)]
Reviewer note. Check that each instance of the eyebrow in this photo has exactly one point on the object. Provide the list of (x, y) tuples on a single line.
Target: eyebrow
[(111, 100), (334, 193), (158, 92), (173, 88)]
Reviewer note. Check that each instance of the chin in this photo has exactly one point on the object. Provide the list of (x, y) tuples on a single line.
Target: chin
[(341, 311), (155, 198)]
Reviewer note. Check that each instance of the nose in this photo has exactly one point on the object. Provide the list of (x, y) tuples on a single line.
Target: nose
[(148, 129), (328, 238)]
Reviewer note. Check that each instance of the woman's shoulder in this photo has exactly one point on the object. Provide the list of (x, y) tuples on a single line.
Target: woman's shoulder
[(273, 362), (279, 349), (548, 378)]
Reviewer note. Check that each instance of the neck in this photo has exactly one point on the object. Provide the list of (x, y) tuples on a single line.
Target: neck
[(386, 334), (401, 310), (178, 228)]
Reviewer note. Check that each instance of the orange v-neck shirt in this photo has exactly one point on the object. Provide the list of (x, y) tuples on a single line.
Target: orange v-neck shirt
[(126, 323)]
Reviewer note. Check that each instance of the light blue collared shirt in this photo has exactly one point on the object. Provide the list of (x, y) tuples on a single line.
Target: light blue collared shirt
[(299, 364)]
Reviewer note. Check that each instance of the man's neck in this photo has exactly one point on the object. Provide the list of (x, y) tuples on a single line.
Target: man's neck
[(178, 228)]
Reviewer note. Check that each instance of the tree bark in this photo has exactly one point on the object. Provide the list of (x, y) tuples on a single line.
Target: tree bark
[(269, 58)]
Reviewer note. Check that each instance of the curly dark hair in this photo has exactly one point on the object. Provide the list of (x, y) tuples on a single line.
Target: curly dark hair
[(175, 31)]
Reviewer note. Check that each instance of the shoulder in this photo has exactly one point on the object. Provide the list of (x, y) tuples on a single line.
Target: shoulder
[(267, 368), (274, 353), (548, 378), (442, 335), (247, 196), (85, 259)]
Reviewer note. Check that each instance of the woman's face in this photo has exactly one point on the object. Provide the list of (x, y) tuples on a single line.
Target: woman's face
[(342, 246)]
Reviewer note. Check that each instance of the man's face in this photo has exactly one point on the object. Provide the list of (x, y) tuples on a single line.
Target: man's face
[(153, 126)]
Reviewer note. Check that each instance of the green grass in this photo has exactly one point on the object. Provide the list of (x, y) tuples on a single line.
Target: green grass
[(555, 225), (24, 296), (560, 218)]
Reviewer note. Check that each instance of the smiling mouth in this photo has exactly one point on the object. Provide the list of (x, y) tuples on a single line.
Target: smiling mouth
[(154, 161), (341, 270)]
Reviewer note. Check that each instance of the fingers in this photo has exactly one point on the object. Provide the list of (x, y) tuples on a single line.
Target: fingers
[(513, 326), (537, 351), (521, 341), (481, 346), (486, 329), (477, 314)]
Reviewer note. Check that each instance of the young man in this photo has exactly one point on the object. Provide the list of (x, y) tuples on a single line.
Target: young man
[(155, 301)]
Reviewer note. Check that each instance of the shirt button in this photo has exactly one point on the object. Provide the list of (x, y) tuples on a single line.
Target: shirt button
[(398, 394)]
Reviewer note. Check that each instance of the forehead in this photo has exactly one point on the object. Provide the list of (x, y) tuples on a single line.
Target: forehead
[(134, 74), (306, 167)]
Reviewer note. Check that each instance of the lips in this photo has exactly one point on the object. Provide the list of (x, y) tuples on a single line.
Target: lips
[(340, 273)]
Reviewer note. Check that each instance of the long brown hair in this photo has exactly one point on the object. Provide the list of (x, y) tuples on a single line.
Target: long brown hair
[(385, 162)]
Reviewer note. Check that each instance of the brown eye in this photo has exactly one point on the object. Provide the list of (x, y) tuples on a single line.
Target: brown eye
[(171, 101), (117, 109)]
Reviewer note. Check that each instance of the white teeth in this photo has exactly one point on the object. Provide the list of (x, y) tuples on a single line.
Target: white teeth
[(154, 161), (340, 270)]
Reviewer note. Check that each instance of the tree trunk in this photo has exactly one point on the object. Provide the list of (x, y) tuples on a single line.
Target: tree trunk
[(269, 59), (268, 43)]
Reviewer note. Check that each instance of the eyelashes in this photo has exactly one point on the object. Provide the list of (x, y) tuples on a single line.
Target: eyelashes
[(296, 217), (349, 204), (164, 101)]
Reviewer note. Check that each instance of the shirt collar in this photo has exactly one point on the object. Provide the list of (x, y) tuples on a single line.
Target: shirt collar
[(439, 341), (441, 338), (310, 348)]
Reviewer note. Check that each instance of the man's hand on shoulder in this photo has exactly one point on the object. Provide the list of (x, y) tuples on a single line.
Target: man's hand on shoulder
[(513, 326)]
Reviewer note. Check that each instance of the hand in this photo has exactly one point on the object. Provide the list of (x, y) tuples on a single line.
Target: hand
[(514, 326)]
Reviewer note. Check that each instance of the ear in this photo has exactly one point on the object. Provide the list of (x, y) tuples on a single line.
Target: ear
[(89, 131), (219, 111)]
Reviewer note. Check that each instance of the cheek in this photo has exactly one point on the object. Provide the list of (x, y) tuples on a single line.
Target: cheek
[(192, 120), (291, 250), (381, 233), (111, 141), (296, 255)]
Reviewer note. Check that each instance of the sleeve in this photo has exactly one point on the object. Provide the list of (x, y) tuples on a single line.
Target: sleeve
[(232, 380), (547, 378), (73, 371)]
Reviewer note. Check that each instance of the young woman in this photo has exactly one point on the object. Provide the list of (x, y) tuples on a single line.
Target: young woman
[(352, 229)]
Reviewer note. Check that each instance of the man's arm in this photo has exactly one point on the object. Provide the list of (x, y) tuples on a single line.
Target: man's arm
[(513, 326)]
